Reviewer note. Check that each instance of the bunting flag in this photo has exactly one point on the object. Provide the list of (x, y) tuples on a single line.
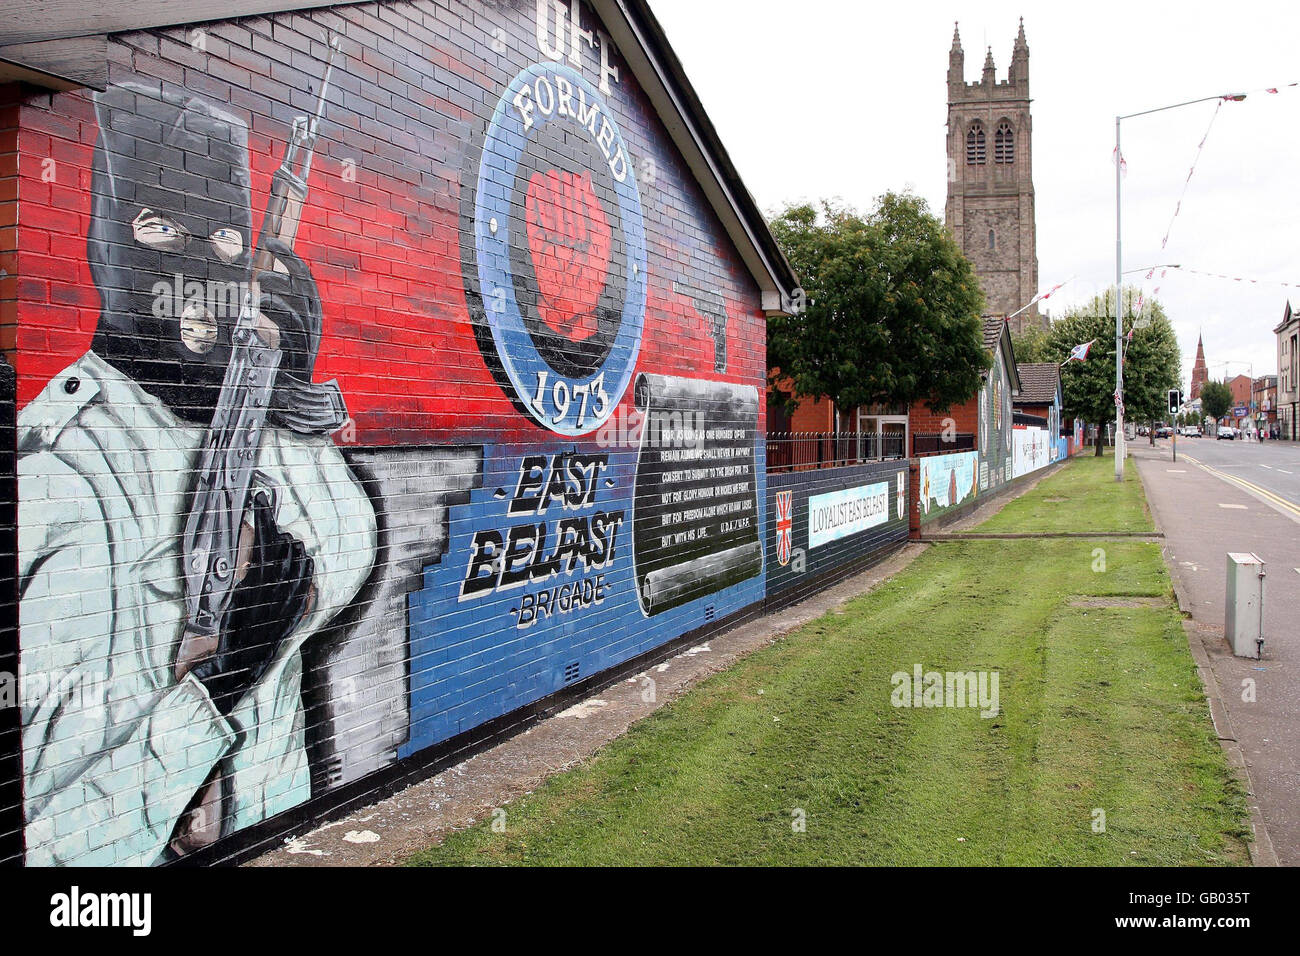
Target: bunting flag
[(1230, 278), (1043, 296), (1080, 352), (1226, 98), (1116, 155), (1191, 172)]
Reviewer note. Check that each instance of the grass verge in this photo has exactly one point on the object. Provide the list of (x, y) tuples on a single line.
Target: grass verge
[(1083, 497), (1102, 752)]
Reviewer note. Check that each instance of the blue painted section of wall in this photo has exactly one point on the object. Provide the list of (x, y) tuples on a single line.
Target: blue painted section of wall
[(470, 662)]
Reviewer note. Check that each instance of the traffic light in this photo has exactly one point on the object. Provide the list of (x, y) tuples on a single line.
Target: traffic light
[(1175, 401)]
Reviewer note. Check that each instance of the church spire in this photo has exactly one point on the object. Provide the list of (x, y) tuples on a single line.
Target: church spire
[(990, 71), (1019, 69), (956, 62)]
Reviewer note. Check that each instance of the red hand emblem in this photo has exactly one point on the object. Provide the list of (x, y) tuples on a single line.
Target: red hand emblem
[(569, 238)]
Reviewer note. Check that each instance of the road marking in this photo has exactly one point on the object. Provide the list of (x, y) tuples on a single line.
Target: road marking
[(1268, 497), (1176, 471), (1269, 467), (1234, 507), (1283, 471)]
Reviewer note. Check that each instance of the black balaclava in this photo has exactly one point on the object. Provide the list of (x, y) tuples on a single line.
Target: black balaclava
[(174, 169)]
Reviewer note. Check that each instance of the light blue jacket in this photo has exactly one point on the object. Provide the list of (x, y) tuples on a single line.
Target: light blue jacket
[(114, 747)]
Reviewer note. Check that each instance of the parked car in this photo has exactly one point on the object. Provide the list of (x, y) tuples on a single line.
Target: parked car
[(1164, 431), (1191, 431), (1227, 432)]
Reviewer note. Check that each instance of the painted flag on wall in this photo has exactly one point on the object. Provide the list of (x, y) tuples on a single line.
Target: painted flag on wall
[(784, 525)]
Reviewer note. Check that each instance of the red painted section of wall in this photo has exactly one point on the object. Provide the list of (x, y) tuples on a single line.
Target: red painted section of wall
[(383, 247), (9, 116)]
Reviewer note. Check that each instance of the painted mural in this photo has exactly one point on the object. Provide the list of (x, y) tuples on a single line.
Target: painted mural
[(947, 481), (996, 416), (1033, 449), (366, 424), (825, 522)]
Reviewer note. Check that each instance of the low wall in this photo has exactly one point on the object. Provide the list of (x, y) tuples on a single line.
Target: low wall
[(828, 523), (946, 482)]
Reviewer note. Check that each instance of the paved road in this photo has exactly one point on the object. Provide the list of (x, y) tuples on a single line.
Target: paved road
[(1268, 470), (1222, 497)]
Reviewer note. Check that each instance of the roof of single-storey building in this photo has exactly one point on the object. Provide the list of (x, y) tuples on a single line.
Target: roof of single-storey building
[(1039, 382)]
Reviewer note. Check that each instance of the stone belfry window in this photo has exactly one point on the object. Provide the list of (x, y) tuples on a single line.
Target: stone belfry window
[(976, 151), (1004, 144)]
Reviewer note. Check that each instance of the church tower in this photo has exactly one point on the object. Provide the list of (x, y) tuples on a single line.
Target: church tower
[(990, 209)]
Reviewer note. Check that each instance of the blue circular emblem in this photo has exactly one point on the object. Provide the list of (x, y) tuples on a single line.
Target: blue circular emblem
[(557, 282)]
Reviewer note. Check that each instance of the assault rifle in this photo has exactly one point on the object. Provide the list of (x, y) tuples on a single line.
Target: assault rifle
[(216, 543)]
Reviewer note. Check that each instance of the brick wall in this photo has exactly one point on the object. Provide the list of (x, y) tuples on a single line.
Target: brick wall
[(963, 419), (539, 459), (827, 523), (813, 415)]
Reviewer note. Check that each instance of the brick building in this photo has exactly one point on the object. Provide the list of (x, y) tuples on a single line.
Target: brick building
[(1040, 393), (1200, 373), (990, 206), (1241, 387), (423, 293), (982, 422), (1264, 398)]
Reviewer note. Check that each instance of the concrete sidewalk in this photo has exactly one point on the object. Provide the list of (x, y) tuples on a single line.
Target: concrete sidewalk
[(1204, 518)]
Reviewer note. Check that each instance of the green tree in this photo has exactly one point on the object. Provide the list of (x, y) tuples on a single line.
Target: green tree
[(1216, 399), (893, 308), (1151, 367), (1032, 345)]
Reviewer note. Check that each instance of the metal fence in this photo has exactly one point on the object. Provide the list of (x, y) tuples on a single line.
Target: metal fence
[(941, 443), (800, 451)]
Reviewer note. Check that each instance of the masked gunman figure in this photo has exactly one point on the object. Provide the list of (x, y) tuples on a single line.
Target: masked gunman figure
[(140, 750)]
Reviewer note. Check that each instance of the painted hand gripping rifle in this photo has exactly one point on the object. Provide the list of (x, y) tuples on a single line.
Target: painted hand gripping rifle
[(217, 539)]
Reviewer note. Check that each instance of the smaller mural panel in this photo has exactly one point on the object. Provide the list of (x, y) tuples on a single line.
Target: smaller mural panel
[(840, 514), (696, 525), (947, 481), (825, 521), (1032, 450)]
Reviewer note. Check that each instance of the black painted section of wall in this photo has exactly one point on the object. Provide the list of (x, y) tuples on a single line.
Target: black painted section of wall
[(811, 569), (11, 760)]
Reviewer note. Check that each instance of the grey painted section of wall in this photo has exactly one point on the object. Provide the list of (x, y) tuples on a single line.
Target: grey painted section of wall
[(356, 678)]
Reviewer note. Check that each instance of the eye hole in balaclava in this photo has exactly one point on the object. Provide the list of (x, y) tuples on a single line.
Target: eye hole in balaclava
[(170, 251), (168, 245)]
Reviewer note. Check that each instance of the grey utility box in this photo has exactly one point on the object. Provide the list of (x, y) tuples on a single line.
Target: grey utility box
[(1244, 626)]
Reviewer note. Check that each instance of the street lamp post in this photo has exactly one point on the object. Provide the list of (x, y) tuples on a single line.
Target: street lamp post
[(1119, 270)]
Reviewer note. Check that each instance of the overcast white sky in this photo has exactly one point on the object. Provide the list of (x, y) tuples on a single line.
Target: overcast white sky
[(847, 99)]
